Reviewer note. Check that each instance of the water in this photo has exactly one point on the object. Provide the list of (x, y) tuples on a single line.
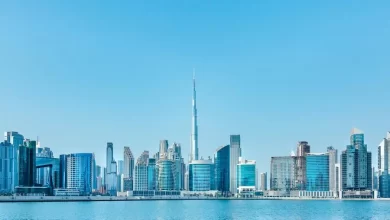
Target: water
[(197, 210)]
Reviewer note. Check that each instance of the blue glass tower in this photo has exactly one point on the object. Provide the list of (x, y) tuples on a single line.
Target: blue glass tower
[(222, 169), (317, 172)]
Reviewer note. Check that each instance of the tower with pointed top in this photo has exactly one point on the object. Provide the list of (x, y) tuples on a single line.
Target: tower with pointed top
[(194, 132)]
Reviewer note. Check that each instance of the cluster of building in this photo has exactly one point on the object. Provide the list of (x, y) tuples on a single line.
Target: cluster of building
[(322, 175), (26, 168)]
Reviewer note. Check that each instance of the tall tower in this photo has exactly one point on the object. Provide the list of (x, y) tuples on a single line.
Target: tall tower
[(194, 133)]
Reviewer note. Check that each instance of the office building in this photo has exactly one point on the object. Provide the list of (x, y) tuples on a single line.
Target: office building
[(141, 173), (26, 162), (317, 171), (111, 169), (246, 177), (263, 181), (163, 152), (63, 171), (48, 172), (201, 175), (80, 170), (128, 163), (179, 168), (283, 175), (235, 154), (303, 148), (332, 152), (16, 140), (356, 166), (152, 182), (384, 167), (194, 130), (6, 164), (120, 167), (44, 152), (165, 172), (222, 169)]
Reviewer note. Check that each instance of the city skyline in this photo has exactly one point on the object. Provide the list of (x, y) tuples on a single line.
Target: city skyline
[(108, 79)]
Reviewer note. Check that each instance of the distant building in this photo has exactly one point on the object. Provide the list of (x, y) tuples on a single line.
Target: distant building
[(283, 175), (317, 172), (80, 172), (16, 140), (356, 166), (222, 169), (44, 152), (6, 164), (246, 177), (384, 167), (235, 154), (152, 182), (165, 177), (141, 173), (120, 167), (48, 172), (303, 148), (26, 162), (111, 169), (332, 168), (201, 175), (263, 181)]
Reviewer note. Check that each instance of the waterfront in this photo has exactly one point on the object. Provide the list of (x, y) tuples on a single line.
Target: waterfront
[(202, 209)]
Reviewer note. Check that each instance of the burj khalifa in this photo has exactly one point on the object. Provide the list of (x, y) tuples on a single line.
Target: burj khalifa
[(194, 132)]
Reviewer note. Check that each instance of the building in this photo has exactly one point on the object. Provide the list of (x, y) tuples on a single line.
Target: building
[(317, 172), (163, 153), (283, 175), (152, 182), (235, 154), (48, 172), (16, 140), (332, 152), (141, 173), (120, 167), (44, 152), (201, 175), (384, 167), (194, 131), (222, 169), (26, 163), (179, 168), (111, 181), (63, 171), (356, 166), (80, 172), (6, 164), (128, 169), (246, 178), (263, 181), (303, 148), (165, 174)]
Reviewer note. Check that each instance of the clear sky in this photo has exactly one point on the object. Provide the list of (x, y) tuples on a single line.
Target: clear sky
[(81, 74)]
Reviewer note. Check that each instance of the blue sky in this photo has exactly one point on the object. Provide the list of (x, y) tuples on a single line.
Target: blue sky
[(80, 74)]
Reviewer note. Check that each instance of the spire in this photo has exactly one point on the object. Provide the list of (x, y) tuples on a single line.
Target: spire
[(194, 130)]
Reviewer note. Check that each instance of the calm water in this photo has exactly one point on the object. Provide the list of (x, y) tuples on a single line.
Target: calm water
[(197, 210)]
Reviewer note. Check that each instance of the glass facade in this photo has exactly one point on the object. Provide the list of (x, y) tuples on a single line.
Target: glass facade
[(317, 172), (222, 168), (26, 162), (48, 171), (80, 172), (16, 140), (6, 164), (246, 173), (235, 154), (201, 175), (283, 176), (151, 174), (165, 179), (141, 173)]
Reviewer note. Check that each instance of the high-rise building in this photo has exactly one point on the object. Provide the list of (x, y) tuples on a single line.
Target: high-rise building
[(46, 175), (356, 164), (317, 171), (303, 148), (6, 164), (165, 174), (235, 154), (194, 132), (63, 171), (263, 181), (111, 176), (80, 172), (120, 167), (128, 159), (332, 168), (26, 161), (44, 152), (152, 174), (222, 169), (384, 167), (201, 175), (141, 173), (163, 149), (283, 175), (246, 177), (16, 140), (174, 154)]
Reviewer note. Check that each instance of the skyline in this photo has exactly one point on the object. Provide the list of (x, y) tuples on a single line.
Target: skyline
[(110, 73)]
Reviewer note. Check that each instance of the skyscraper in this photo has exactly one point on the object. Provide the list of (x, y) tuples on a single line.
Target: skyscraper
[(111, 176), (201, 175), (152, 174), (356, 164), (16, 140), (384, 167), (317, 172), (128, 166), (194, 133), (141, 173), (222, 169), (246, 177), (263, 181), (6, 162), (283, 175), (163, 149), (80, 172), (332, 168), (26, 162), (120, 167), (235, 154), (303, 148)]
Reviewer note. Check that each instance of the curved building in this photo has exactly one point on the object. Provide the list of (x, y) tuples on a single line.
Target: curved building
[(165, 178), (222, 169)]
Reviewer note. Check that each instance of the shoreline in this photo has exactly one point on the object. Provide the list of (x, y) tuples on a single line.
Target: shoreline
[(16, 199)]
